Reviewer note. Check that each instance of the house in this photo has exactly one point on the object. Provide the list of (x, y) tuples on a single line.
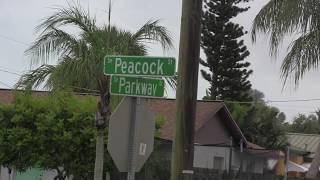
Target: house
[(302, 151), (217, 138), (219, 142)]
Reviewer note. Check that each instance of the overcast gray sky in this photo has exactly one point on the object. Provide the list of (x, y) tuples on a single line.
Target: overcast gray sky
[(19, 18)]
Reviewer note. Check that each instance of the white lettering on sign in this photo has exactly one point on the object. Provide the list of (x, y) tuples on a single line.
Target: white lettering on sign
[(142, 149), (153, 68), (131, 68), (138, 67), (136, 87), (117, 64), (160, 69)]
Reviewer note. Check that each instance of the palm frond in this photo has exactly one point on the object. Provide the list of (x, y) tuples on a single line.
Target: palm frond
[(151, 31), (53, 42), (80, 56), (77, 73), (172, 81), (72, 15), (281, 17), (35, 78), (303, 56)]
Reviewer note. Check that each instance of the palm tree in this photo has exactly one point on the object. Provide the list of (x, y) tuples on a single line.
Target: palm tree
[(279, 18), (80, 58)]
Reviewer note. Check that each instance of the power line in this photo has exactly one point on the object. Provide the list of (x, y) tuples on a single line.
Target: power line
[(6, 85), (238, 102), (294, 100), (13, 40), (76, 87), (3, 70), (275, 101)]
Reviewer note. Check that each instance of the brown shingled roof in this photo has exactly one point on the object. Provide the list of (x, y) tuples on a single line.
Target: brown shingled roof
[(6, 95), (166, 108)]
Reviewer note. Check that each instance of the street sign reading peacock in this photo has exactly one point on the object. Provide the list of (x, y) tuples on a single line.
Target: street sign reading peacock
[(139, 66)]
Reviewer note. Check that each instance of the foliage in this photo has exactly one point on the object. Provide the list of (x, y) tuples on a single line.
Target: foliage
[(80, 56), (287, 17), (225, 53), (159, 121), (261, 124), (53, 132), (305, 124)]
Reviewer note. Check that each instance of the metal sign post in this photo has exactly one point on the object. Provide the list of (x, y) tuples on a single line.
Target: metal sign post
[(132, 139)]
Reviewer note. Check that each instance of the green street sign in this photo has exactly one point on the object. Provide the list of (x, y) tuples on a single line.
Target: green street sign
[(137, 86), (139, 66)]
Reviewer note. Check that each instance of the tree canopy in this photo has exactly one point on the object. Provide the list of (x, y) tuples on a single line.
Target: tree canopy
[(305, 124), (225, 52), (53, 132), (261, 124)]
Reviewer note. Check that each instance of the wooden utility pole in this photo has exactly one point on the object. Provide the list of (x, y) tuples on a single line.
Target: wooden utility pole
[(287, 161), (230, 156), (189, 50)]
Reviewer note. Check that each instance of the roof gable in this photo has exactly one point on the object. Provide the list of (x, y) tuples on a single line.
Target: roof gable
[(167, 107), (213, 132), (206, 110)]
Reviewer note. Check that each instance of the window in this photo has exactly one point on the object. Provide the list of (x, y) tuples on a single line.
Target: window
[(218, 163)]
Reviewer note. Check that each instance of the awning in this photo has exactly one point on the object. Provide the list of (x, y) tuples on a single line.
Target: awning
[(294, 167), (307, 165)]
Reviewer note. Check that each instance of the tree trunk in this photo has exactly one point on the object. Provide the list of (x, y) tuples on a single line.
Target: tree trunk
[(98, 168), (102, 120), (314, 168)]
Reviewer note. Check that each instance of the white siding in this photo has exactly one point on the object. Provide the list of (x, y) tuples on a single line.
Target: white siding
[(204, 157), (4, 174)]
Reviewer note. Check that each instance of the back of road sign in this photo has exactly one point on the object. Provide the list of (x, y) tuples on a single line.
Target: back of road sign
[(119, 134)]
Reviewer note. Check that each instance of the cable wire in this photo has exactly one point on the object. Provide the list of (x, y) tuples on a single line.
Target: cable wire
[(10, 72), (13, 40), (5, 84)]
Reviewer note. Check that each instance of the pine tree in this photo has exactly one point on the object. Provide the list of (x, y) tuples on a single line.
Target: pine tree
[(228, 76)]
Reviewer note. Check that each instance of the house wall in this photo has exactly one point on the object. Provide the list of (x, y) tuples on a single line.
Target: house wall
[(4, 174), (297, 159), (213, 128), (281, 165), (251, 163), (204, 158)]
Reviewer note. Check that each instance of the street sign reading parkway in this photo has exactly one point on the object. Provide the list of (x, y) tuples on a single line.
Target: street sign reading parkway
[(131, 86), (139, 66)]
